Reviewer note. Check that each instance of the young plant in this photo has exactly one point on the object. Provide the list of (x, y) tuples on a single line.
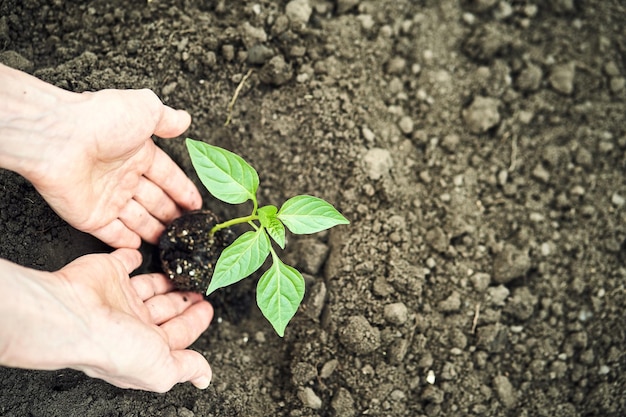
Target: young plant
[(229, 178)]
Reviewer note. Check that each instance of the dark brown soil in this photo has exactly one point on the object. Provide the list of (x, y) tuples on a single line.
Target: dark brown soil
[(477, 147), (187, 251)]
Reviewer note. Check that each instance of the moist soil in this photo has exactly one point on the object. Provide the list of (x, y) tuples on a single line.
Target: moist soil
[(188, 252), (477, 147)]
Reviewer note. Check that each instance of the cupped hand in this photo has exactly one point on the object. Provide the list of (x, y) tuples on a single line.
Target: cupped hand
[(139, 329), (103, 173), (91, 156), (135, 331), (89, 316)]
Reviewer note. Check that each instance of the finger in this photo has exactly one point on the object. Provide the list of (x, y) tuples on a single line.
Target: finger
[(164, 307), (168, 122), (173, 181), (193, 368), (117, 235), (136, 218), (172, 123), (130, 258), (148, 285), (156, 201), (185, 328)]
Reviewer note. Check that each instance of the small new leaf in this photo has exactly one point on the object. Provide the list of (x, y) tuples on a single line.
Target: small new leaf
[(266, 214), (305, 214), (279, 293), (225, 175), (273, 226), (244, 256)]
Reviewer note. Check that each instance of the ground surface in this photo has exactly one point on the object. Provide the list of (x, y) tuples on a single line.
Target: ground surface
[(476, 146)]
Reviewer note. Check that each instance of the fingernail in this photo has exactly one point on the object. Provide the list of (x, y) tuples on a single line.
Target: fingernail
[(196, 201), (202, 383)]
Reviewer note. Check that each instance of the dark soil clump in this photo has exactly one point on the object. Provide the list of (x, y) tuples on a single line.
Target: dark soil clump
[(189, 253)]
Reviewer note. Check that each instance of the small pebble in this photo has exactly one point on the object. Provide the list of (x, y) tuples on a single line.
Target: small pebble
[(469, 18), (251, 35), (450, 142), (437, 239), (259, 54), (396, 313), (530, 10), (312, 255), (480, 281), (617, 84), (359, 336), (343, 403), (432, 394), (482, 114), (498, 295), (611, 69), (536, 217), (578, 190), (378, 162), (276, 71), (522, 304), (259, 337), (397, 351), (368, 135), (367, 21), (315, 299), (430, 377), (228, 52), (617, 200), (299, 11), (562, 78), (503, 11), (397, 395), (530, 78), (510, 263), (396, 65), (309, 398), (451, 304), (505, 391), (406, 125), (328, 368)]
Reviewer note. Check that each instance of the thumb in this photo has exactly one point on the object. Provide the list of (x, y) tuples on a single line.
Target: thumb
[(130, 258), (172, 123)]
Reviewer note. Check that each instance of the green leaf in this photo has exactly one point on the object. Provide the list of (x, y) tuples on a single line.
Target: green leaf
[(305, 214), (226, 175), (279, 294), (274, 227), (244, 256), (277, 231), (266, 214)]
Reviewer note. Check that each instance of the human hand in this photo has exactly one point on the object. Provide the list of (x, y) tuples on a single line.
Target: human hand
[(92, 158), (110, 179), (90, 316)]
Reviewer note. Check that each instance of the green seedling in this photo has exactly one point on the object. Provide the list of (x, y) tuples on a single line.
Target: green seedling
[(229, 178)]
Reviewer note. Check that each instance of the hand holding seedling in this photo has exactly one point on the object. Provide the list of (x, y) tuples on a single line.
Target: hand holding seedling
[(132, 333), (231, 179), (91, 156)]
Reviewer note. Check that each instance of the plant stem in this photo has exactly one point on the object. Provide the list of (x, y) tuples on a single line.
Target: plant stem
[(232, 222)]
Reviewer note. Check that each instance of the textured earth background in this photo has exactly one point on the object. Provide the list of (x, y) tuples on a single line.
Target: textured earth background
[(478, 148)]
